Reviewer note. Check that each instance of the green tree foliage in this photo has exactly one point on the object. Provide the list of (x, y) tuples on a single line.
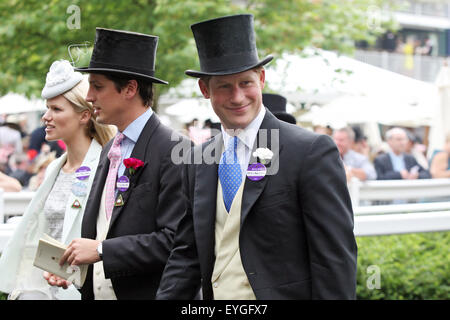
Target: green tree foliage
[(34, 33)]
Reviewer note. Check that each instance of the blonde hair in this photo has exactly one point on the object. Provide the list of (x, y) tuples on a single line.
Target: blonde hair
[(76, 96)]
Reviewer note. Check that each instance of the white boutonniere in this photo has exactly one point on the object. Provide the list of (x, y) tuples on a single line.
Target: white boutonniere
[(264, 154)]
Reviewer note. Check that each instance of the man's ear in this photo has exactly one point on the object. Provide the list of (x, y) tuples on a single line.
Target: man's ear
[(131, 89), (262, 78), (204, 88)]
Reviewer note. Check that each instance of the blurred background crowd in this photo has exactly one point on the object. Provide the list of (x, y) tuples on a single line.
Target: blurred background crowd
[(25, 154), (401, 155)]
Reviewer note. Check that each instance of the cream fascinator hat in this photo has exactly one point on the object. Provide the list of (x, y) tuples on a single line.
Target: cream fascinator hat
[(60, 78)]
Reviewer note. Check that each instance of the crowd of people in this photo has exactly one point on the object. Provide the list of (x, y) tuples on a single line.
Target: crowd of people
[(24, 156), (150, 227), (403, 158), (265, 213)]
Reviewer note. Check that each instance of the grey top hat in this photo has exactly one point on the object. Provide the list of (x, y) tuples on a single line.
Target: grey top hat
[(226, 46), (124, 52)]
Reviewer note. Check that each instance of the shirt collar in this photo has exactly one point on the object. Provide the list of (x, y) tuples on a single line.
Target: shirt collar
[(347, 154), (394, 156), (134, 129), (248, 135)]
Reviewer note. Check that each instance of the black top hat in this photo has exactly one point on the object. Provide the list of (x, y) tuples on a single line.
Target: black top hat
[(124, 52), (359, 134), (277, 105), (226, 46)]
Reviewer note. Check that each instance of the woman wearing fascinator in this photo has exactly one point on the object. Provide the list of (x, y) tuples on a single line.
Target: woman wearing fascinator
[(57, 207)]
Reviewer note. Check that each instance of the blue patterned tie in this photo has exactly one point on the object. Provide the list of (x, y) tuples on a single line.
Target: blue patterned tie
[(230, 175)]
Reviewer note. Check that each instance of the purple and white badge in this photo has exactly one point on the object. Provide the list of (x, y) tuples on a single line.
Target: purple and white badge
[(256, 171), (123, 183), (83, 173)]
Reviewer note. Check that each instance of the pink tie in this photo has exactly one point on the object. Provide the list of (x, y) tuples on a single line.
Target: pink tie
[(114, 157)]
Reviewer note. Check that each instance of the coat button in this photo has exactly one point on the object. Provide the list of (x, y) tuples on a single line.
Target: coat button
[(215, 284)]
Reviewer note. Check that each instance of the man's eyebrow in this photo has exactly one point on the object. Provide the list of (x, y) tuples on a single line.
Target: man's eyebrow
[(219, 81)]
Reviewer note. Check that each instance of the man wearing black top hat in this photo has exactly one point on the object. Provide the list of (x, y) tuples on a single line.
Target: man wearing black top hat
[(250, 232), (127, 237), (277, 105)]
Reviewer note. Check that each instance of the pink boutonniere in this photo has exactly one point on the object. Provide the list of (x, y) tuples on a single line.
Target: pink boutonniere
[(133, 164)]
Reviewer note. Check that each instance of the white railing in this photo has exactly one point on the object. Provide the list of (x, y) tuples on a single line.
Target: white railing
[(400, 218), (397, 189), (373, 225), (13, 203), (401, 208), (12, 206)]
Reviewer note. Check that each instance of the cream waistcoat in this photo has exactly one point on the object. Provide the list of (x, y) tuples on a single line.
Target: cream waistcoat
[(103, 289), (229, 279)]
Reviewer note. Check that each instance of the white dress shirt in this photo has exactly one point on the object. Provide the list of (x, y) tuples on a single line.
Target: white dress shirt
[(132, 133), (246, 140)]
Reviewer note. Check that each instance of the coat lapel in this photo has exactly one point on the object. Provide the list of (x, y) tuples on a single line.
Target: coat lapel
[(89, 225), (389, 164), (139, 152), (91, 161), (204, 210), (253, 189)]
